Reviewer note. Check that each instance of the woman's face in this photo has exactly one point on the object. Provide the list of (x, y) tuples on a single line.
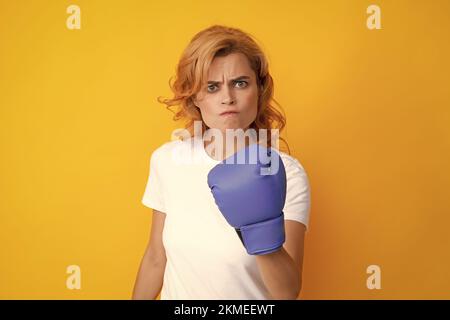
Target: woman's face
[(231, 87)]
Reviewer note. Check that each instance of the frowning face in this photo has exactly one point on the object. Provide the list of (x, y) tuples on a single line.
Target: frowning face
[(229, 99)]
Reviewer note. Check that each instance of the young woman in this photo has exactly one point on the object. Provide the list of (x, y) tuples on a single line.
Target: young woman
[(198, 247)]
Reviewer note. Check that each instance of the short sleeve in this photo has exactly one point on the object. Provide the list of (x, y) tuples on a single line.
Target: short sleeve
[(298, 196), (153, 194)]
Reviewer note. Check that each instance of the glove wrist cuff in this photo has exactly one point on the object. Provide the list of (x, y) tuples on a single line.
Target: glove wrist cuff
[(263, 237)]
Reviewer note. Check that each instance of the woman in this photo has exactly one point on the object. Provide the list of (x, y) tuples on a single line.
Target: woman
[(223, 83)]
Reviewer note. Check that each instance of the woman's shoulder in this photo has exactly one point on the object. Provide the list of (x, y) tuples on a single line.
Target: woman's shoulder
[(170, 149), (291, 163), (167, 146)]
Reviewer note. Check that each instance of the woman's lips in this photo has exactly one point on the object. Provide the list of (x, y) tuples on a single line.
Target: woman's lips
[(229, 113)]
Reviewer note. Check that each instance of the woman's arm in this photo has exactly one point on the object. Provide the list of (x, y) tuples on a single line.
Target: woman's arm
[(282, 270), (151, 270)]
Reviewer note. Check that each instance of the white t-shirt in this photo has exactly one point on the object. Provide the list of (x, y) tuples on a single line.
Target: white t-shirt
[(205, 257)]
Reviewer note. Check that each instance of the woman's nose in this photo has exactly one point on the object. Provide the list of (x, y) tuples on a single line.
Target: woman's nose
[(228, 101), (227, 96)]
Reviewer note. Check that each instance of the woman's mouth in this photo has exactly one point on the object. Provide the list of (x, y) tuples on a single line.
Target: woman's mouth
[(229, 113)]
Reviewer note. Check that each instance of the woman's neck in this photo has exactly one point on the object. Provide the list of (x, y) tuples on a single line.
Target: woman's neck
[(228, 148)]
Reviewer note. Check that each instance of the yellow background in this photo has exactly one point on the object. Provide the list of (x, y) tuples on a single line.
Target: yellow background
[(368, 117)]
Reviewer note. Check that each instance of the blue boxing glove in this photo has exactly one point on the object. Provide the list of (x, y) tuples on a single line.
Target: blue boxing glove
[(249, 189)]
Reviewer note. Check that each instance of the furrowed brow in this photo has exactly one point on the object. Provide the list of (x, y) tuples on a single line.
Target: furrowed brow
[(231, 81)]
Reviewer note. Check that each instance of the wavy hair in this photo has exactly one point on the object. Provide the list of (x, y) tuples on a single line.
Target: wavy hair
[(192, 68)]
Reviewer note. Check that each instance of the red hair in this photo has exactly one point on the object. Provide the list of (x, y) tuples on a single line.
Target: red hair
[(192, 69)]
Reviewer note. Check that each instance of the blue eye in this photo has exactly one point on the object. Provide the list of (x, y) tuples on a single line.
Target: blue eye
[(212, 85), (246, 83)]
